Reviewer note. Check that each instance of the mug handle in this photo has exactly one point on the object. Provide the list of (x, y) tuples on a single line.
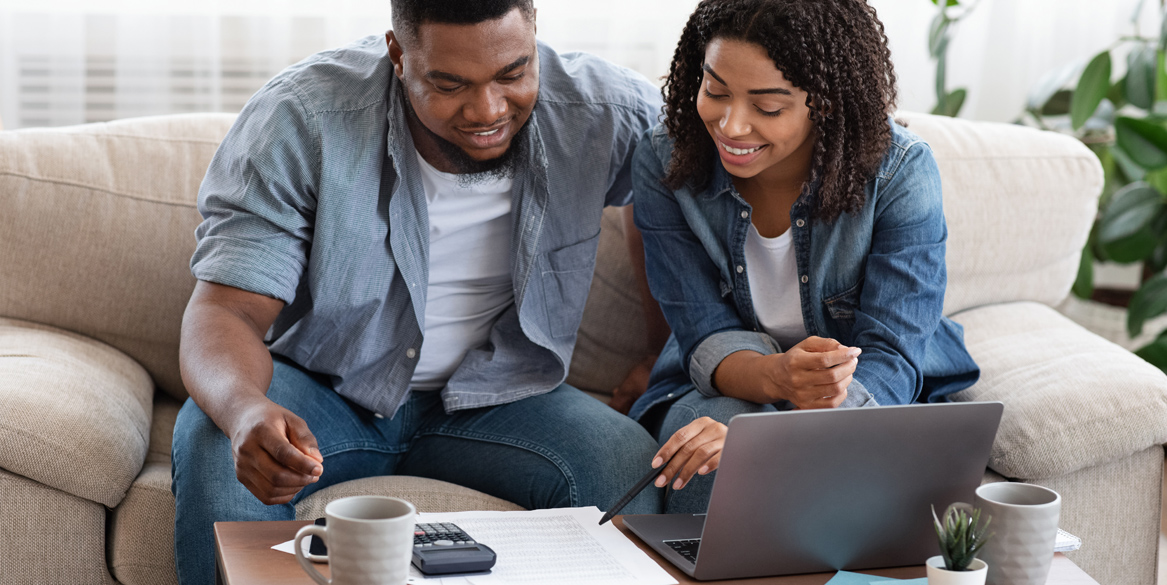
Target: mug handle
[(305, 563)]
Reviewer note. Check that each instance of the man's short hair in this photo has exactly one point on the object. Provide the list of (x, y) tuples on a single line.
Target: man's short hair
[(409, 15)]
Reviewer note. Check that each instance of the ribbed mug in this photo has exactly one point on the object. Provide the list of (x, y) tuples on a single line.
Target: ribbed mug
[(1024, 527), (369, 540)]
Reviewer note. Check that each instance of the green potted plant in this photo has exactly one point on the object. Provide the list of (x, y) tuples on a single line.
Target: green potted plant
[(1124, 121), (961, 535)]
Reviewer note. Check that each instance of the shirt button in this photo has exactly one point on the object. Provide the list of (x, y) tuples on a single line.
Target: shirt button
[(411, 353), (745, 214), (670, 395), (800, 223), (378, 415), (804, 279), (740, 269)]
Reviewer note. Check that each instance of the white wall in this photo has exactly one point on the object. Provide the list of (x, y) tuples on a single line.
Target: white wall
[(72, 61)]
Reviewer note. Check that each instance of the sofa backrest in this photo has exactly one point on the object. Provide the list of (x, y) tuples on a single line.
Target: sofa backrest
[(97, 229), (1019, 205)]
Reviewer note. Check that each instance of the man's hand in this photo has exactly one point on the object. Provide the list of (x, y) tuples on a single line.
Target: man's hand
[(813, 374), (633, 386), (694, 449), (275, 453)]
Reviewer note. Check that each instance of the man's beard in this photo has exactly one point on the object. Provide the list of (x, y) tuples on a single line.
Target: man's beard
[(469, 170)]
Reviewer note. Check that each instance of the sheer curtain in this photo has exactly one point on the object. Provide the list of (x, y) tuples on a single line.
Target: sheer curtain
[(74, 61)]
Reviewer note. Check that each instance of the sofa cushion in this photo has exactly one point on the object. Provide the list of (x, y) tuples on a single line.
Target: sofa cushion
[(1019, 204), (1072, 399), (98, 230), (74, 412)]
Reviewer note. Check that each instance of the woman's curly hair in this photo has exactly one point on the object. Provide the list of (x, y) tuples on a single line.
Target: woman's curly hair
[(835, 50)]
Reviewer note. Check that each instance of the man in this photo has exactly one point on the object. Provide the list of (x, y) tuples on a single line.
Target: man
[(399, 238)]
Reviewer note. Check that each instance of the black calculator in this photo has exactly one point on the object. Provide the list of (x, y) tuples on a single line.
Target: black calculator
[(439, 548)]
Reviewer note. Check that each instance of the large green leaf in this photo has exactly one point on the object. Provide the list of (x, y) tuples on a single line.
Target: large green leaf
[(1092, 87), (1084, 283), (951, 104), (1128, 167), (1145, 142), (1155, 353), (1140, 77), (1131, 209), (1149, 301), (1130, 249)]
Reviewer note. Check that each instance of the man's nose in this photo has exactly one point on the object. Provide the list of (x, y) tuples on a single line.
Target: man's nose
[(486, 107)]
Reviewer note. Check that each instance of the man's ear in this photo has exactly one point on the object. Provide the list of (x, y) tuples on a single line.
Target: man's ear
[(396, 53)]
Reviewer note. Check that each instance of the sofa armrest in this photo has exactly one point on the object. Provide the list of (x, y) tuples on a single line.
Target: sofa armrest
[(74, 412), (1072, 399)]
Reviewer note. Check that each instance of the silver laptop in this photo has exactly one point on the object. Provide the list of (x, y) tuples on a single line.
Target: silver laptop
[(823, 490)]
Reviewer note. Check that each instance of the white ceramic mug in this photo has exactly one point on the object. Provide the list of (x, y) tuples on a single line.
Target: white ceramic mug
[(1024, 527), (369, 540)]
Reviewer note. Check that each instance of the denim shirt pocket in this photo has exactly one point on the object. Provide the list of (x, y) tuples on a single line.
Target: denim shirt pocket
[(566, 280), (841, 307)]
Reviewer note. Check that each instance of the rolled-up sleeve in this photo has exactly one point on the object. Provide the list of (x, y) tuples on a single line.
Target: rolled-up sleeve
[(710, 352), (258, 198)]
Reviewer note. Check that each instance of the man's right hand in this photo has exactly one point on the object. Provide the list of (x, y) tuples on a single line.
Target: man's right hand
[(275, 453)]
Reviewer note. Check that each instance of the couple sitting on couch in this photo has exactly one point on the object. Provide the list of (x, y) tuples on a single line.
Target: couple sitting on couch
[(446, 183)]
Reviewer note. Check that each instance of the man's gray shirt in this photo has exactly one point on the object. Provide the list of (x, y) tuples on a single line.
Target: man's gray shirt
[(315, 198)]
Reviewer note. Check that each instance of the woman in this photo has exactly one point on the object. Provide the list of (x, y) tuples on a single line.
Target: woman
[(793, 232)]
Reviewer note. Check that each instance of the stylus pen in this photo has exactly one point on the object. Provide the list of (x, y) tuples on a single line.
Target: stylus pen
[(636, 489)]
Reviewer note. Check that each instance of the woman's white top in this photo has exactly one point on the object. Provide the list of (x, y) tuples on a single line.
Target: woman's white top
[(469, 269), (773, 277)]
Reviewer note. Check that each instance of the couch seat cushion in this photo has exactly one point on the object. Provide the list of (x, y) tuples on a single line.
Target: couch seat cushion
[(74, 412), (1073, 400)]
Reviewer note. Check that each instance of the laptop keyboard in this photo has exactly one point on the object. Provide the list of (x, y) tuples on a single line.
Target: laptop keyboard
[(686, 548)]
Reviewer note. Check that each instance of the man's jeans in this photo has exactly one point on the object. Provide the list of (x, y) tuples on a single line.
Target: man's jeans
[(558, 449)]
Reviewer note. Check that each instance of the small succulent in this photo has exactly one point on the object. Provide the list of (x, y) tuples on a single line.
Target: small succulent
[(961, 536)]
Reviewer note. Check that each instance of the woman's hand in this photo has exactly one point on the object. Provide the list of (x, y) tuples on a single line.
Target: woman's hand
[(813, 374), (694, 449)]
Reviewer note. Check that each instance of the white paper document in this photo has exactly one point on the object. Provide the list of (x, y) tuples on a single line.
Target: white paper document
[(561, 545)]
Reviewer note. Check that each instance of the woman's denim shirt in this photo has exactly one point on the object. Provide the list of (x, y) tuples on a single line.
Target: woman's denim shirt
[(874, 279)]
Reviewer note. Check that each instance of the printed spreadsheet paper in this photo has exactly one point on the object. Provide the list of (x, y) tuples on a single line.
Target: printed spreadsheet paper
[(560, 545)]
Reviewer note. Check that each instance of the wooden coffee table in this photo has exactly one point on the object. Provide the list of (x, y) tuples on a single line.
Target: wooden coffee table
[(245, 557)]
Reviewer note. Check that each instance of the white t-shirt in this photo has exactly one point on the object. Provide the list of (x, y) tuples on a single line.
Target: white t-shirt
[(773, 277), (469, 269)]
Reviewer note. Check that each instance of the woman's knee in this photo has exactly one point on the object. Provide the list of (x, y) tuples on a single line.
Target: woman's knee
[(695, 405)]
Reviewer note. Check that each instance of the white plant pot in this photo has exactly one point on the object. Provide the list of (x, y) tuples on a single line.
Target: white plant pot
[(938, 575)]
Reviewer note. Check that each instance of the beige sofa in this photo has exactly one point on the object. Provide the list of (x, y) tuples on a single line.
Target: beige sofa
[(96, 230)]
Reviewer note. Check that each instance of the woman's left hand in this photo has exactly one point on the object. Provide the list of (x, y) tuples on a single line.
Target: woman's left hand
[(694, 449)]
